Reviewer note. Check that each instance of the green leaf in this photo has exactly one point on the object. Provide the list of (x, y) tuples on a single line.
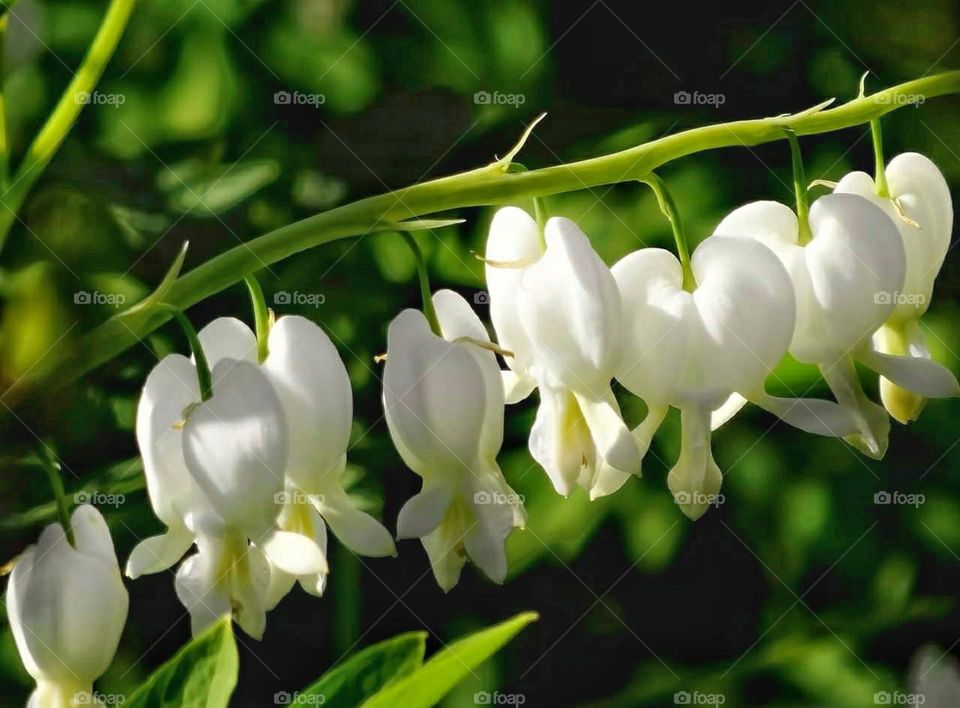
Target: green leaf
[(431, 682), (208, 191), (201, 675), (367, 671)]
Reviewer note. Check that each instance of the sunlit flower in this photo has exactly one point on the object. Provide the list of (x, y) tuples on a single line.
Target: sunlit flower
[(920, 206), (692, 350), (443, 400), (214, 469), (843, 278), (67, 607), (311, 382), (558, 312)]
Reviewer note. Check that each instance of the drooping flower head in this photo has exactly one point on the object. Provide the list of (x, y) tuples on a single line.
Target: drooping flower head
[(67, 607), (443, 400), (692, 350), (840, 278), (920, 206), (558, 312)]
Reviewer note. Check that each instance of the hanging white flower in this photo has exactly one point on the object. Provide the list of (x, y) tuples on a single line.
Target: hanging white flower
[(692, 350), (920, 206), (841, 279), (67, 607), (214, 470), (558, 311), (313, 388), (443, 400)]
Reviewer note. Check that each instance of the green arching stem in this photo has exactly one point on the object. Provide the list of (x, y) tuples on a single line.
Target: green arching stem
[(669, 209), (800, 189), (64, 115), (488, 185), (261, 316), (204, 379), (880, 177), (50, 465), (426, 294)]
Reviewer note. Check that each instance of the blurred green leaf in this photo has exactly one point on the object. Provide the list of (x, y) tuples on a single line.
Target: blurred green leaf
[(368, 671), (430, 683), (209, 191), (201, 675)]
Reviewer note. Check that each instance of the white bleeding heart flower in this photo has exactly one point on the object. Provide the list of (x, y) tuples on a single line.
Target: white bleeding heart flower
[(312, 385), (558, 312), (693, 350), (840, 277), (67, 607), (214, 471), (443, 400), (920, 206)]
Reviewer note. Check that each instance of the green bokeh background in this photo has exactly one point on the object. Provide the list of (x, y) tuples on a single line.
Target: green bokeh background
[(799, 590)]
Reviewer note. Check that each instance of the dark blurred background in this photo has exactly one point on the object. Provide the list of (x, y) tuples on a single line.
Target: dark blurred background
[(799, 590)]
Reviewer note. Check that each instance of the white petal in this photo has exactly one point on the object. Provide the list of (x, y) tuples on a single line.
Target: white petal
[(923, 376), (434, 396), (570, 308), (458, 320), (170, 387), (312, 384), (655, 327), (517, 387), (873, 423), (856, 263), (235, 446), (158, 553), (227, 338), (425, 511), (611, 437), (560, 438), (355, 529), (644, 432), (495, 515), (198, 590), (444, 546), (747, 309), (727, 411), (293, 553), (607, 480), (514, 240), (695, 480), (811, 415)]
